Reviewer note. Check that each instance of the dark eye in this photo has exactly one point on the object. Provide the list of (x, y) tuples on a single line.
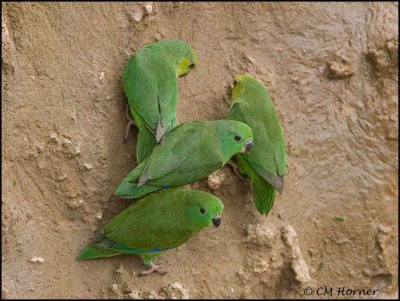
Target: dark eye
[(234, 82), (202, 210), (238, 138), (191, 65)]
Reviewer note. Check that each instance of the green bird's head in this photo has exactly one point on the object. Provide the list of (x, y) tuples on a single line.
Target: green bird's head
[(234, 137), (179, 53), (202, 209), (186, 63), (182, 56), (246, 84)]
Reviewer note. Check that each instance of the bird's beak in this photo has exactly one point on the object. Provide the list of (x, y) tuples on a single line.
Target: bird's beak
[(184, 74), (216, 220), (248, 146)]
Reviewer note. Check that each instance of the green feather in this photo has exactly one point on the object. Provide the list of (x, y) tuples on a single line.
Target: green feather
[(263, 192), (264, 196), (129, 187), (146, 141), (91, 252), (130, 190)]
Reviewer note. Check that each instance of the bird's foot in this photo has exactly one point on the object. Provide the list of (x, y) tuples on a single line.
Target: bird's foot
[(130, 122), (235, 169), (227, 101), (153, 268)]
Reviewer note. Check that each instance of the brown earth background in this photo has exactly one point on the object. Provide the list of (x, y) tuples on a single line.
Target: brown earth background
[(331, 70)]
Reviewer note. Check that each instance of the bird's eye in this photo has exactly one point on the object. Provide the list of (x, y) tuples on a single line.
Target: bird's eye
[(238, 138), (191, 65), (202, 210), (234, 82)]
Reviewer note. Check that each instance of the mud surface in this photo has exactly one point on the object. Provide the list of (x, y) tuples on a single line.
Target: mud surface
[(331, 70)]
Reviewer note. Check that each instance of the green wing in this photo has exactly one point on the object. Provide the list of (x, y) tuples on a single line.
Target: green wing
[(268, 156), (141, 88), (188, 154), (152, 223), (173, 152), (167, 100), (163, 160), (151, 86)]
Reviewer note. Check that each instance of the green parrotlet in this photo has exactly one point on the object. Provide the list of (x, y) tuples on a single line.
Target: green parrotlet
[(190, 152), (158, 222), (150, 83), (266, 163)]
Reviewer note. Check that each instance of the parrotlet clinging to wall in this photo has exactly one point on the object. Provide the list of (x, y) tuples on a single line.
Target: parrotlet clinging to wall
[(150, 83), (190, 152), (266, 163), (158, 222)]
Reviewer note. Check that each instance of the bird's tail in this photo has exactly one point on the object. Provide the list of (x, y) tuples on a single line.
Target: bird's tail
[(145, 144), (263, 194), (129, 188), (104, 247), (92, 252), (146, 138)]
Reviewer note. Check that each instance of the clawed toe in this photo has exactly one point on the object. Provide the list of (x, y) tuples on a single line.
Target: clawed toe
[(128, 127), (153, 268), (235, 169), (130, 122)]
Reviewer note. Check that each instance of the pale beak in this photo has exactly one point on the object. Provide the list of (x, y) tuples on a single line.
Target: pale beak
[(248, 146)]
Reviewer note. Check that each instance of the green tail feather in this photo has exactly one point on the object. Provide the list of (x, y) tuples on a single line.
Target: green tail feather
[(146, 138), (107, 248), (263, 192), (145, 144), (263, 195), (128, 187), (92, 252), (147, 141), (130, 190)]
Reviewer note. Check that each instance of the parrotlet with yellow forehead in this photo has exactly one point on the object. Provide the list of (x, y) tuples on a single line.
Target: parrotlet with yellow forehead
[(150, 83), (266, 163)]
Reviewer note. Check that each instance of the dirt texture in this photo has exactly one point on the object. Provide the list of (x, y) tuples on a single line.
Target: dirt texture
[(331, 70)]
